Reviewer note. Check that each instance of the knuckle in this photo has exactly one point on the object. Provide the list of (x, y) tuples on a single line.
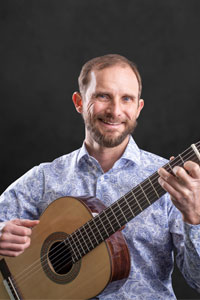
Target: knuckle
[(24, 239), (178, 198), (196, 167), (17, 253), (25, 231), (28, 243), (20, 247), (178, 171), (3, 237), (187, 194), (14, 254)]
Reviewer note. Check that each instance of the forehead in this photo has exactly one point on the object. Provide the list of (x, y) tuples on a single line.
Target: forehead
[(115, 78)]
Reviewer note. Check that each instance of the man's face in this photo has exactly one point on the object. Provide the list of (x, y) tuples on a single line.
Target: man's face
[(111, 105)]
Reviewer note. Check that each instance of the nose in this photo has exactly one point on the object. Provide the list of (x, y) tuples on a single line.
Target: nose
[(115, 108)]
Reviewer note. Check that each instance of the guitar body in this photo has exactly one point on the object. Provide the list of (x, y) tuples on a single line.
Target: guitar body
[(36, 278)]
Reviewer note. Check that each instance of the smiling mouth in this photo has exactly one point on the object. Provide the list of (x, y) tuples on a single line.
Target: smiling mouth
[(110, 123)]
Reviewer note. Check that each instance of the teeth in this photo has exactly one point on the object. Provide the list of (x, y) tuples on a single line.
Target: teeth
[(111, 123)]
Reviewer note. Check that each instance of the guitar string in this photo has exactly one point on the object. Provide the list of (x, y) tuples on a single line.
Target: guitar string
[(145, 201), (121, 208)]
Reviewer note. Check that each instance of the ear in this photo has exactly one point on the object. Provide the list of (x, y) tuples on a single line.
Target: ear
[(77, 99), (140, 107)]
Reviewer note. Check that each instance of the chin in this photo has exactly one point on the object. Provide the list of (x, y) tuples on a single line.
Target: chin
[(109, 141)]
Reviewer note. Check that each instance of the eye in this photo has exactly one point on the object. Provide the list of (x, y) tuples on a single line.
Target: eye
[(102, 96), (127, 98)]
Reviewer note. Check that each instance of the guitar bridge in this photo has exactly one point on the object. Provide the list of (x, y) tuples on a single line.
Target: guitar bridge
[(8, 281)]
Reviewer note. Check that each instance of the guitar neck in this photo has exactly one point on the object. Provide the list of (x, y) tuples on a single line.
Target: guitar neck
[(125, 209)]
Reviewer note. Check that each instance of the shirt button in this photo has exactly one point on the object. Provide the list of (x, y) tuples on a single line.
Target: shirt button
[(105, 176)]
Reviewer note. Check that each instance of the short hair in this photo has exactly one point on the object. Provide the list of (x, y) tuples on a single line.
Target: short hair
[(102, 62)]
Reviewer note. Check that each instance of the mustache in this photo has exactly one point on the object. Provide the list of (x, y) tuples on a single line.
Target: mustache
[(110, 118)]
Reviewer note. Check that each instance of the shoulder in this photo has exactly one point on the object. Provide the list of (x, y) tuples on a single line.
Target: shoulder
[(152, 157), (148, 164), (61, 163), (142, 158)]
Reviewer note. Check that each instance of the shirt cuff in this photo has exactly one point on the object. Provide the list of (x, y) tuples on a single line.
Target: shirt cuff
[(2, 225)]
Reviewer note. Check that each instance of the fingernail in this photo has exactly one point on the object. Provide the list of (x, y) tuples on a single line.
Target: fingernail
[(175, 169)]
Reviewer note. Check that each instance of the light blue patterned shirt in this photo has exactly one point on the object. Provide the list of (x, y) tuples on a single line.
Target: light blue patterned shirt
[(151, 236)]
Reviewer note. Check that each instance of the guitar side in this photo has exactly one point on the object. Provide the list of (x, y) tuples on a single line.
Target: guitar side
[(107, 263)]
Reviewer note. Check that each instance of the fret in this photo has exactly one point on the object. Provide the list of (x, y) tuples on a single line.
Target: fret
[(122, 212), (85, 242), (76, 233), (153, 188), (144, 193), (66, 242), (98, 229), (111, 208), (159, 190), (88, 236), (91, 230), (74, 242), (104, 212), (104, 226), (136, 200), (181, 159), (170, 168), (130, 209)]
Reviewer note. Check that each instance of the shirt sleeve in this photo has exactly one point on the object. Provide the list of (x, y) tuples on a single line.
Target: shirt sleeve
[(23, 198), (186, 239)]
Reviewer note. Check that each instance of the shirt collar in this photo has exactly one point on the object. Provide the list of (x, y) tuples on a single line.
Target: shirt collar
[(82, 153), (132, 152)]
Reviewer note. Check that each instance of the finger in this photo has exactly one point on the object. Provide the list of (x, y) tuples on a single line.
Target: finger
[(10, 249), (15, 246), (173, 190), (15, 239), (181, 174), (12, 228), (193, 169), (25, 222), (16, 230), (10, 253), (171, 183)]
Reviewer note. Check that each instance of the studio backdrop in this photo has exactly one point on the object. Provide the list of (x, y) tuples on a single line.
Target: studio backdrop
[(44, 43)]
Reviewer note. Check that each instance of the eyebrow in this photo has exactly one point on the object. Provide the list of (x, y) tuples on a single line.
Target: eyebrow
[(132, 96)]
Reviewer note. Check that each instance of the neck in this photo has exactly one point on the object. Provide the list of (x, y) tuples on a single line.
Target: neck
[(106, 156)]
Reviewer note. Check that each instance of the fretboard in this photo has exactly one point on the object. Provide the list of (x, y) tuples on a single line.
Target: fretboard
[(114, 217)]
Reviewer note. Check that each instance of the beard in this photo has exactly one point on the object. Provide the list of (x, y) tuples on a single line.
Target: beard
[(108, 139)]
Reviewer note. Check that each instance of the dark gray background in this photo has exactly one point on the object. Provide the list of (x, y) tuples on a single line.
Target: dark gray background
[(43, 44)]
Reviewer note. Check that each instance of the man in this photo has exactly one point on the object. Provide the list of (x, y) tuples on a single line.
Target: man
[(107, 166)]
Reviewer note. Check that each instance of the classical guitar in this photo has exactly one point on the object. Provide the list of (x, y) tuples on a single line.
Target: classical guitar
[(76, 255)]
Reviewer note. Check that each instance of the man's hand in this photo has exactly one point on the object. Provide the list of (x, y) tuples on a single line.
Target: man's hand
[(184, 189), (15, 236)]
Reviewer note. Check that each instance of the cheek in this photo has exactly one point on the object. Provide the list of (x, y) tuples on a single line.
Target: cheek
[(88, 108), (131, 113), (96, 108)]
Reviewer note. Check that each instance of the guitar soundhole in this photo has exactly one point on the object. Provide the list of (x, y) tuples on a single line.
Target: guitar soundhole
[(56, 259), (60, 258)]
